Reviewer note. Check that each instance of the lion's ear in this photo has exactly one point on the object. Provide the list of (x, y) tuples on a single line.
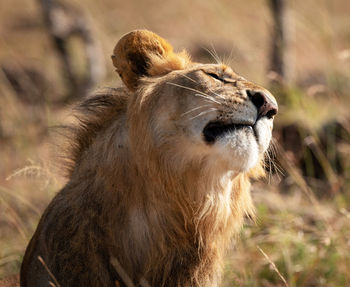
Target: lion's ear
[(143, 53)]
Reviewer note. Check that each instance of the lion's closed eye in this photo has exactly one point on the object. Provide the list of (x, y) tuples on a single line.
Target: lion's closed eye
[(215, 76)]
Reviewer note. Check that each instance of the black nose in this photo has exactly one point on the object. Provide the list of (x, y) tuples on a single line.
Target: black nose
[(263, 102)]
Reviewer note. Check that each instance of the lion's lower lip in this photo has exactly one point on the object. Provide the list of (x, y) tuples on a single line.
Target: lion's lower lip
[(215, 130)]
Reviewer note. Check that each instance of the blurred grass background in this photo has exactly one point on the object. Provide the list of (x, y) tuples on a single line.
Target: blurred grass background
[(302, 234)]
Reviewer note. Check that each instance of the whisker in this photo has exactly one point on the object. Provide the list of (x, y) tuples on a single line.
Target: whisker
[(194, 109), (279, 169), (273, 151), (214, 57), (218, 95), (268, 159), (230, 57), (213, 54), (204, 113), (187, 88), (187, 77), (208, 98), (204, 95), (216, 54)]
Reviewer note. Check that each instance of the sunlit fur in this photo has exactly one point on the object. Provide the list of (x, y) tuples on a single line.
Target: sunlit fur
[(144, 187)]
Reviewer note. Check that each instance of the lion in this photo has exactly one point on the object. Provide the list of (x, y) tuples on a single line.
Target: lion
[(159, 180)]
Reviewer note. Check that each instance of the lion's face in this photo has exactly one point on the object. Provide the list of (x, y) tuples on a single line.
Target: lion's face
[(208, 111), (201, 112)]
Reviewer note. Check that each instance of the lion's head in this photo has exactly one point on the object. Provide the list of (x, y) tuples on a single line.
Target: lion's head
[(194, 112)]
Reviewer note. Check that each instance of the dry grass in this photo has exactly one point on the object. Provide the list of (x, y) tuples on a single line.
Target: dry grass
[(299, 239)]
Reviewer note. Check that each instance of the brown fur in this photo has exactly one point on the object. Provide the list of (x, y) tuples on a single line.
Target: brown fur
[(139, 192)]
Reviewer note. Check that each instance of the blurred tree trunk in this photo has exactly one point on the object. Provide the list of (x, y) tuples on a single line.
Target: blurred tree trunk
[(279, 61), (65, 22)]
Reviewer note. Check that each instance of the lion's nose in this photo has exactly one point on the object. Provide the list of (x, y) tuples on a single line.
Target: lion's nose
[(265, 105)]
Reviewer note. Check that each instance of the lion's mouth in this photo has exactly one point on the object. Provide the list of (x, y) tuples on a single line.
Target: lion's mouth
[(214, 130)]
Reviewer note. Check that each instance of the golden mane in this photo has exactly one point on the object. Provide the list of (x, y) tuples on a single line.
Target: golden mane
[(92, 116)]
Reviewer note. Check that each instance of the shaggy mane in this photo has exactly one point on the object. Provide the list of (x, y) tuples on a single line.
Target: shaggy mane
[(93, 115)]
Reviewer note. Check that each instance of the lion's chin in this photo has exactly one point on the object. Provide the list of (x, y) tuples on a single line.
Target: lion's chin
[(238, 149)]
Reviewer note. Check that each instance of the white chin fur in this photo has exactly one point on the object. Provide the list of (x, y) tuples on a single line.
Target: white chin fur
[(239, 148), (263, 130)]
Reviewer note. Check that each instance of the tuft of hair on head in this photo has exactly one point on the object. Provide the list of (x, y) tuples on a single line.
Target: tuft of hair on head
[(142, 53)]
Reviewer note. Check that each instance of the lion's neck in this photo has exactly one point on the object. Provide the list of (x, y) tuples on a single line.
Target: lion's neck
[(186, 221), (170, 222)]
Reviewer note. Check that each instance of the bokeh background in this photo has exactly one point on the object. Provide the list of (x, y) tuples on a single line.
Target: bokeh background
[(53, 53)]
